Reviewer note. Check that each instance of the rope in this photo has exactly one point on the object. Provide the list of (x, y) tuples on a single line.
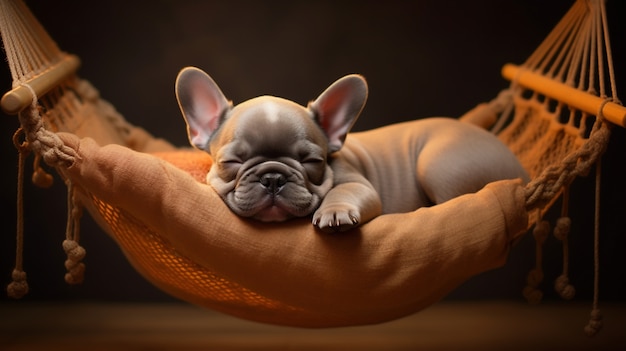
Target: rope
[(49, 147), (19, 285), (75, 253), (609, 53), (29, 49), (561, 231), (595, 321), (534, 278), (40, 177), (503, 105), (548, 184), (41, 141)]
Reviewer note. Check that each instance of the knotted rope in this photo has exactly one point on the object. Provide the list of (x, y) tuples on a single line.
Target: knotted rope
[(75, 253), (41, 141), (47, 146), (543, 188)]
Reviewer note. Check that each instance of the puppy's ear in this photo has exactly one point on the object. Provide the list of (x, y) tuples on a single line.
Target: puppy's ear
[(202, 103), (338, 107)]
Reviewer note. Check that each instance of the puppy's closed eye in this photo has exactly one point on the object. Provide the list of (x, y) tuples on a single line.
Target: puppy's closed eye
[(230, 162), (313, 160), (315, 167), (228, 167)]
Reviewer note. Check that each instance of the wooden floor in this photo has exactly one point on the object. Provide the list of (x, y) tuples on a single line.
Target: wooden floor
[(182, 327)]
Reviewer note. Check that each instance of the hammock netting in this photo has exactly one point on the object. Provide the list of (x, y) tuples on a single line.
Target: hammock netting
[(556, 116)]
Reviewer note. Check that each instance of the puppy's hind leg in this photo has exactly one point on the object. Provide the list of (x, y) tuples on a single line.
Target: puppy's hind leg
[(453, 170)]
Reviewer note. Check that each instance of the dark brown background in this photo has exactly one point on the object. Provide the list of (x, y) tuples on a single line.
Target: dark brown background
[(421, 58)]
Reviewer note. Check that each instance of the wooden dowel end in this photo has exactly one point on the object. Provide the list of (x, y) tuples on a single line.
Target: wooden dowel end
[(20, 97), (570, 96)]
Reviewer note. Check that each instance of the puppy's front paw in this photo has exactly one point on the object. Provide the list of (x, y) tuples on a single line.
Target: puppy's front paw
[(336, 218)]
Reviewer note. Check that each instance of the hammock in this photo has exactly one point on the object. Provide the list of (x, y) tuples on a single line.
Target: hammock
[(556, 116)]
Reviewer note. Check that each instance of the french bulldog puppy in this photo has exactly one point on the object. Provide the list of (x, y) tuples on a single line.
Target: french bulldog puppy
[(275, 159)]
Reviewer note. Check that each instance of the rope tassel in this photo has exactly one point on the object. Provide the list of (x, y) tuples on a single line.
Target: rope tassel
[(47, 146), (595, 321), (19, 286), (561, 231), (75, 268), (532, 294), (40, 177), (75, 253)]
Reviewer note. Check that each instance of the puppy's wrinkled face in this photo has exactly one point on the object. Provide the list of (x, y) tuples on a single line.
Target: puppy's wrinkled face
[(270, 154), (270, 160)]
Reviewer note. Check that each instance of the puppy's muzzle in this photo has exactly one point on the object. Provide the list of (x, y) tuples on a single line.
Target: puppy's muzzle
[(273, 182), (273, 176)]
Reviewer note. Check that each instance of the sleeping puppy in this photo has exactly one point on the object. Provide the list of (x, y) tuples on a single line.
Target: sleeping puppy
[(275, 159)]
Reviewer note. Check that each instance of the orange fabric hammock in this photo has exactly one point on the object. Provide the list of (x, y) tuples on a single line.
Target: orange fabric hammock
[(289, 274)]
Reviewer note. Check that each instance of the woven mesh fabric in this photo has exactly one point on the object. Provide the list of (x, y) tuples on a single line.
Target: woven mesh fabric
[(554, 143), (158, 261), (537, 138), (179, 276)]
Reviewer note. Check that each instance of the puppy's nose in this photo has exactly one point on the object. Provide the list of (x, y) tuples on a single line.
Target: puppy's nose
[(273, 182)]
